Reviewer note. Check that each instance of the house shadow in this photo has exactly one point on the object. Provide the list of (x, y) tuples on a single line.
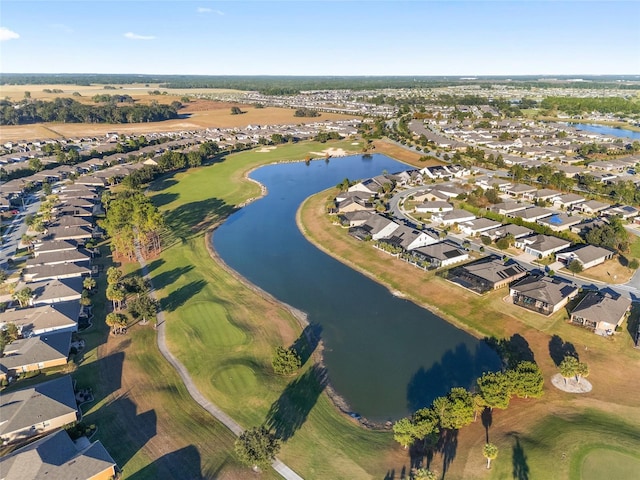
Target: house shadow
[(633, 324), (111, 366), (290, 411), (308, 341), (182, 295), (192, 218), (519, 461), (511, 350), (457, 368), (558, 349), (183, 463), (122, 430)]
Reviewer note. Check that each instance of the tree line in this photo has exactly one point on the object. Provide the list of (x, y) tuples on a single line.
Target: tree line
[(576, 106), (68, 110)]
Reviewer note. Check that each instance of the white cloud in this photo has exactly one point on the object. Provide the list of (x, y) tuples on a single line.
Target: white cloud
[(209, 10), (6, 34), (135, 36)]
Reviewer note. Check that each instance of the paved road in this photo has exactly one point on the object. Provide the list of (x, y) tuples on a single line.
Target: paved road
[(16, 228), (225, 419)]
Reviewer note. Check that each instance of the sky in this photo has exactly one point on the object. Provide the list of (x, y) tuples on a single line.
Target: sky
[(332, 37)]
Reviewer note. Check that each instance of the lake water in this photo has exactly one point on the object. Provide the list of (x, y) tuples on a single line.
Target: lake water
[(604, 130), (386, 356)]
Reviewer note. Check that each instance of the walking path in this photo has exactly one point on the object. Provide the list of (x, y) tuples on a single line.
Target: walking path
[(225, 419)]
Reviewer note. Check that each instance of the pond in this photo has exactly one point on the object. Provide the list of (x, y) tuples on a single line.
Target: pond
[(385, 356)]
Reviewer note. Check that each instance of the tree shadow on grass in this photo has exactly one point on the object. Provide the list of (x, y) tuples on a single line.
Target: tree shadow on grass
[(308, 341), (290, 411), (190, 219), (183, 463), (558, 349), (519, 460), (182, 295), (487, 420), (163, 183), (162, 199), (448, 448), (633, 324), (165, 279), (511, 350), (456, 368)]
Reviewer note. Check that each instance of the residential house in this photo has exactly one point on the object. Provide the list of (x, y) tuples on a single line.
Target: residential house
[(58, 317), (583, 227), (409, 238), (57, 271), (433, 207), (544, 194), (441, 254), (35, 353), (354, 219), (516, 231), (532, 214), (509, 208), (560, 221), (487, 274), (452, 217), (53, 258), (520, 190), (588, 256), (622, 211), (54, 291), (375, 227), (38, 409), (354, 204), (591, 207), (567, 200), (601, 312), (541, 246), (54, 246), (542, 294), (477, 226)]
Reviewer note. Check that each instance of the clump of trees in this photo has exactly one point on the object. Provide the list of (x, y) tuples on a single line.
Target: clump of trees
[(306, 112), (236, 111), (286, 361), (68, 110), (257, 447), (572, 367), (612, 235), (131, 218)]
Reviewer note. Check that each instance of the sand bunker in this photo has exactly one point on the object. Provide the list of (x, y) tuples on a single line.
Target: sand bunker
[(333, 152), (571, 385), (265, 149)]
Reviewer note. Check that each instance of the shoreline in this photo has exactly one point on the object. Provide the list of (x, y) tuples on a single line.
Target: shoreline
[(300, 316), (431, 308)]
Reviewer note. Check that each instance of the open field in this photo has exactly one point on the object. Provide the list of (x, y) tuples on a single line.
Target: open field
[(138, 91), (402, 154), (531, 434), (198, 114)]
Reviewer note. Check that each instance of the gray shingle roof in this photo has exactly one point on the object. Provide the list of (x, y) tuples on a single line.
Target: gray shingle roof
[(33, 350), (545, 289), (36, 404), (601, 307), (56, 457)]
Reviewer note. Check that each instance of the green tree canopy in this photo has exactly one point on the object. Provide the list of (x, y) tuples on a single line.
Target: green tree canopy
[(527, 380), (495, 389), (490, 452), (285, 361), (257, 447)]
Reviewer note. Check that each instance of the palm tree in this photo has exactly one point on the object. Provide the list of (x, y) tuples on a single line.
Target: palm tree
[(117, 322), (89, 283), (23, 296), (569, 367), (490, 452), (423, 474), (582, 371), (115, 293)]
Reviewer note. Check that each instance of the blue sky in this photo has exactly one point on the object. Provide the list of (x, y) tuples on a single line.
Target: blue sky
[(320, 38)]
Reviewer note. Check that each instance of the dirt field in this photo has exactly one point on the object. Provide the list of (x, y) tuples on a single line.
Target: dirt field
[(202, 114), (403, 154)]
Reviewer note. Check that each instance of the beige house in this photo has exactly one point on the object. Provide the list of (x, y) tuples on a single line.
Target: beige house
[(601, 312), (35, 410)]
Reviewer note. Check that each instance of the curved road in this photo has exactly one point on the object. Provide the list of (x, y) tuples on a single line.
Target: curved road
[(225, 419)]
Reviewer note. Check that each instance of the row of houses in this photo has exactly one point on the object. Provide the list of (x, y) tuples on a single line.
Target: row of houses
[(34, 417)]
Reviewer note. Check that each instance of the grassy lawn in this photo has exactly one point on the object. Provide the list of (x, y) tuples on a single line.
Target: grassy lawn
[(634, 248), (606, 462), (531, 434), (225, 333)]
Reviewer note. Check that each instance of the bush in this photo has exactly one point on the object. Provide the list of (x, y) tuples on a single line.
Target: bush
[(485, 240), (502, 244), (285, 361)]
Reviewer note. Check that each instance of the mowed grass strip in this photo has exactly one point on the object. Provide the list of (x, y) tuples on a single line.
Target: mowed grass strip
[(225, 333)]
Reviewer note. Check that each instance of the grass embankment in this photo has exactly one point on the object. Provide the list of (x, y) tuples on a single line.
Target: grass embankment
[(532, 435), (225, 333)]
